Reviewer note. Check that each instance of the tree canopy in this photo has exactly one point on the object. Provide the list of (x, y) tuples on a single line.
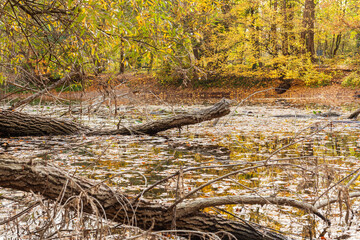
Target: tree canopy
[(191, 41)]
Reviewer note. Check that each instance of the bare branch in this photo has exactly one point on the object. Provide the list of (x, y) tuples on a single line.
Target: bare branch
[(195, 205), (324, 203), (34, 96)]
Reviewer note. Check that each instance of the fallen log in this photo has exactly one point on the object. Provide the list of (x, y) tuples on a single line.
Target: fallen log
[(53, 183), (218, 110), (355, 114), (13, 124)]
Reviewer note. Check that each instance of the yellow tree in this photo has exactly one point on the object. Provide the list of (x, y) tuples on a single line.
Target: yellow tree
[(89, 35)]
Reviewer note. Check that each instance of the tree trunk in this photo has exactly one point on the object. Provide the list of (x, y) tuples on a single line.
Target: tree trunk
[(337, 44), (122, 58), (309, 23), (285, 34), (273, 32), (51, 182), (255, 35), (13, 124), (293, 46)]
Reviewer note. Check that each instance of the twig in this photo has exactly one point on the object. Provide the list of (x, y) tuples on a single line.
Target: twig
[(292, 143), (352, 180), (195, 205), (241, 102), (335, 184), (228, 175), (32, 97), (20, 213), (325, 203), (209, 167)]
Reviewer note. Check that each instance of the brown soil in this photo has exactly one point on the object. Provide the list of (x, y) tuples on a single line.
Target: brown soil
[(149, 90), (143, 88)]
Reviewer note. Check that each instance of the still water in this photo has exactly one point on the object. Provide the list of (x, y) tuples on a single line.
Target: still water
[(292, 153)]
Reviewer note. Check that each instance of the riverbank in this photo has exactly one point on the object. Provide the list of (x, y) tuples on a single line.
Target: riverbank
[(143, 88)]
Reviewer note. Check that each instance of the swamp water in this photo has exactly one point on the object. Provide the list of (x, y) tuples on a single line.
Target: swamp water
[(307, 159)]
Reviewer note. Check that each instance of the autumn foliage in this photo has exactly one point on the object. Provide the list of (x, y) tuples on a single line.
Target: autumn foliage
[(187, 42)]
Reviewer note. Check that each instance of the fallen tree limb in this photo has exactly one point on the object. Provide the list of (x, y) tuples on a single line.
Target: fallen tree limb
[(21, 124), (220, 109), (216, 201), (327, 202), (14, 124), (49, 181), (354, 115)]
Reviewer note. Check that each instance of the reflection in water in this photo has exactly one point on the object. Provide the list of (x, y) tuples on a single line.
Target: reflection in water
[(309, 161)]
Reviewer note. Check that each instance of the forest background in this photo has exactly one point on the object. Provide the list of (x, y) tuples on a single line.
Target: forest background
[(189, 43)]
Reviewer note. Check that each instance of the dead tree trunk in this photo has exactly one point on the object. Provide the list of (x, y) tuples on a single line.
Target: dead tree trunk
[(55, 184), (220, 109), (21, 124), (14, 124)]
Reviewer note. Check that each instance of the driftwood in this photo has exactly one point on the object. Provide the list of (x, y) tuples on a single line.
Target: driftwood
[(49, 181), (355, 114), (21, 124)]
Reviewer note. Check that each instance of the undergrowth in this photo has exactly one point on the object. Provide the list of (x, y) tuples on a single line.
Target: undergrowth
[(352, 81)]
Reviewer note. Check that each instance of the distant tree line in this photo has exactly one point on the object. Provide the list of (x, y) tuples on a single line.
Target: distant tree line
[(185, 42)]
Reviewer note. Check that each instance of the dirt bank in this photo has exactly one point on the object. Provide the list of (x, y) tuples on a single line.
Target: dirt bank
[(141, 88), (149, 90)]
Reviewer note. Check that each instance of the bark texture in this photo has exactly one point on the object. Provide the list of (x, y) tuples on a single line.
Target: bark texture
[(220, 109), (49, 181), (308, 23), (14, 124), (21, 124)]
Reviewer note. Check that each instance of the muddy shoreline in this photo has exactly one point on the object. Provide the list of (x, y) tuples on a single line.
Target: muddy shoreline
[(131, 89)]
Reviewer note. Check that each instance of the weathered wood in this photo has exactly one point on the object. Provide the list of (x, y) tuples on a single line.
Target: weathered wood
[(355, 114), (49, 181), (21, 124), (220, 109), (14, 124)]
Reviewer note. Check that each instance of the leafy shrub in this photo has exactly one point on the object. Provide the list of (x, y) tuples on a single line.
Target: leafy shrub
[(353, 80), (314, 78), (72, 87)]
